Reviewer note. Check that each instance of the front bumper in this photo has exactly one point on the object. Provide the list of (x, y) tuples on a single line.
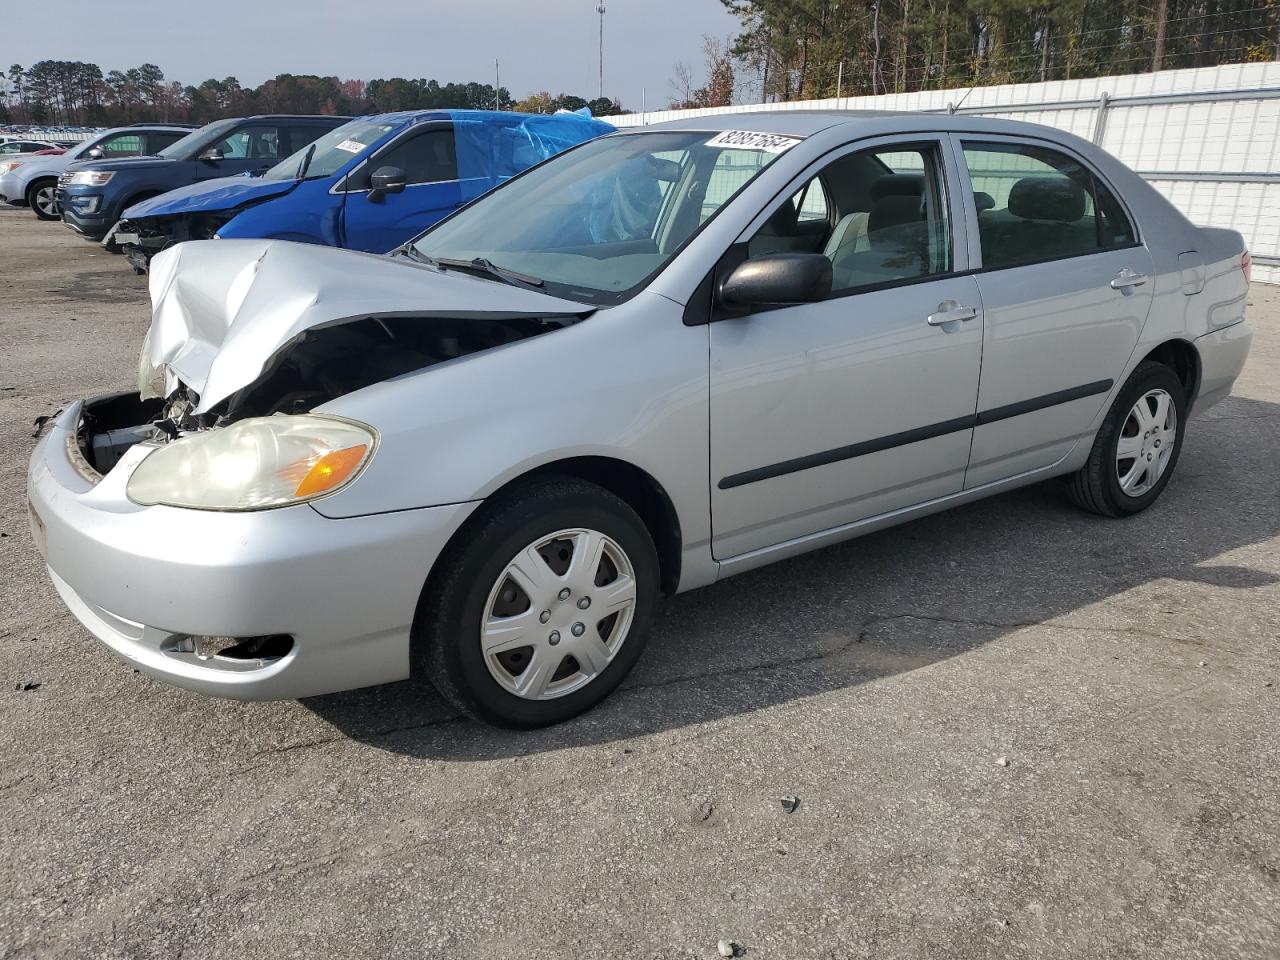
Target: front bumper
[(138, 577), (84, 212), (11, 188)]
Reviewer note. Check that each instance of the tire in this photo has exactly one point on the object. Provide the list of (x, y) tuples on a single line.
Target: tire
[(40, 199), (543, 682), (1111, 485)]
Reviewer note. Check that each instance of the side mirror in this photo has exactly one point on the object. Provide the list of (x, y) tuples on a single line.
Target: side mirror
[(95, 154), (386, 180), (777, 279), (212, 155)]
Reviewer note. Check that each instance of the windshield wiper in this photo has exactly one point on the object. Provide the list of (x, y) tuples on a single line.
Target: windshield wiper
[(483, 265), (306, 162), (411, 252)]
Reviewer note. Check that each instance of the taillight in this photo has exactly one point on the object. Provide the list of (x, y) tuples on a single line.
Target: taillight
[(1246, 264)]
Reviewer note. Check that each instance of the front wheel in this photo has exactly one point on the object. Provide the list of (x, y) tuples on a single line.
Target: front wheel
[(544, 606), (41, 197), (1137, 446)]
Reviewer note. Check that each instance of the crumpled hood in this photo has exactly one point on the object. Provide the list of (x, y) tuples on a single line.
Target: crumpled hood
[(225, 193), (222, 308)]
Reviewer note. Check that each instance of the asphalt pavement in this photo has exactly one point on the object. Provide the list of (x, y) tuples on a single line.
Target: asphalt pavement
[(1014, 730)]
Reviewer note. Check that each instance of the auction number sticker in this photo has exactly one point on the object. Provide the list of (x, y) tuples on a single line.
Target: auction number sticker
[(351, 146), (750, 140)]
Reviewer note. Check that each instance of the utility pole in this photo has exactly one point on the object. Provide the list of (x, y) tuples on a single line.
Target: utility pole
[(496, 84), (600, 10)]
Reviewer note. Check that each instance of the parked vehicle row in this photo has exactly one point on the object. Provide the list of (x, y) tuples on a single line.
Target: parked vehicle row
[(659, 358), (367, 184), (34, 181)]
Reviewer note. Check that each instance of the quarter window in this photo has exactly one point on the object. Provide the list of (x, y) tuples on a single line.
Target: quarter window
[(1035, 204), (878, 215)]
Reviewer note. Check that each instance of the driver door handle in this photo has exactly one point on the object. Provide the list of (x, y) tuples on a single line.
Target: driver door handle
[(946, 314), (1126, 278)]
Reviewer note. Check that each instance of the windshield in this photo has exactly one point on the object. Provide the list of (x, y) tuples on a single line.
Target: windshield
[(333, 150), (596, 222), (180, 149)]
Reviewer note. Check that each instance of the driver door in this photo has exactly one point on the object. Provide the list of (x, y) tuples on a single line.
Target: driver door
[(825, 414), (380, 223), (254, 148)]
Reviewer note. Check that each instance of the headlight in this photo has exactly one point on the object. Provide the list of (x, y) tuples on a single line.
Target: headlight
[(91, 178), (9, 165), (255, 464)]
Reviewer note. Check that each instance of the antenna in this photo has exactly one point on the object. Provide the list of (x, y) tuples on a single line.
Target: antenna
[(600, 10)]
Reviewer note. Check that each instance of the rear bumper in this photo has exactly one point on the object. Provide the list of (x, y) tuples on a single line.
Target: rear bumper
[(141, 579), (1222, 357)]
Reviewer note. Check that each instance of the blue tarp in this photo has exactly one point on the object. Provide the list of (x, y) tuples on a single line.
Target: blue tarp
[(493, 147)]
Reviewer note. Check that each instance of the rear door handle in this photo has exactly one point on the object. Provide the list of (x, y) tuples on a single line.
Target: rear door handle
[(944, 316), (1126, 278)]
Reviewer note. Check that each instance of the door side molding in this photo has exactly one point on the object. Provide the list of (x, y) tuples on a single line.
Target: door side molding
[(809, 461)]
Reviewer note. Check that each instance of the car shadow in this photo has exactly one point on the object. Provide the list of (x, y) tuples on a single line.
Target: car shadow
[(899, 600)]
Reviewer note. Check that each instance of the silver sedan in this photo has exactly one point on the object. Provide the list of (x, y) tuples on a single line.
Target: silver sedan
[(662, 358)]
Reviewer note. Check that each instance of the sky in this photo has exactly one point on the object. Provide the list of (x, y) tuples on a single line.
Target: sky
[(540, 44)]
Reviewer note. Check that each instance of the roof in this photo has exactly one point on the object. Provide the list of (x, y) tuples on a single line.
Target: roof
[(805, 123)]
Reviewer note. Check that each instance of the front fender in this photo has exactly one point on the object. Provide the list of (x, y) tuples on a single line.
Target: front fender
[(307, 219), (629, 383)]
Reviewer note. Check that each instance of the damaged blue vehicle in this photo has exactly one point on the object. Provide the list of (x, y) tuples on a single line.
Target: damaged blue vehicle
[(370, 185)]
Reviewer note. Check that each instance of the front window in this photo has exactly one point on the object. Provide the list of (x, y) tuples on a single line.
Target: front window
[(333, 151), (196, 141), (596, 222), (878, 215)]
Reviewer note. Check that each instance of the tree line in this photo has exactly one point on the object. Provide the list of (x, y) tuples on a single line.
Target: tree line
[(72, 93), (808, 49)]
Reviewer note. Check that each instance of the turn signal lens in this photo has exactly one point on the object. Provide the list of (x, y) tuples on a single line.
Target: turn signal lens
[(331, 471), (1246, 264)]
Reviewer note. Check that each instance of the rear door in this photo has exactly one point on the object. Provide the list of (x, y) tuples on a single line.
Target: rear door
[(1066, 287), (379, 223)]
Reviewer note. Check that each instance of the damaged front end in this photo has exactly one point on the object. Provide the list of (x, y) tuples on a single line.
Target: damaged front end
[(142, 238), (244, 345)]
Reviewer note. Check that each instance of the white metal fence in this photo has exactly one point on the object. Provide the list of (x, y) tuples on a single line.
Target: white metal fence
[(1208, 139)]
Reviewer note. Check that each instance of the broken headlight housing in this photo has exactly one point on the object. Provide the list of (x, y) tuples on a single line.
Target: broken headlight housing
[(255, 464)]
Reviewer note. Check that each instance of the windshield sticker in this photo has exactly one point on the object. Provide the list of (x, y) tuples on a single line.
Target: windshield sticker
[(351, 146), (749, 140)]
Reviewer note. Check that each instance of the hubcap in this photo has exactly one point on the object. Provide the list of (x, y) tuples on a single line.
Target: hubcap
[(1146, 442), (538, 638), (45, 200)]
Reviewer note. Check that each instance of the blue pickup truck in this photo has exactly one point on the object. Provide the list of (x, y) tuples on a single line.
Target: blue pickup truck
[(370, 185), (92, 194)]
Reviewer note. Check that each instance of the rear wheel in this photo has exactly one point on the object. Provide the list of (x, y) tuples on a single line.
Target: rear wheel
[(41, 199), (1137, 446), (544, 606)]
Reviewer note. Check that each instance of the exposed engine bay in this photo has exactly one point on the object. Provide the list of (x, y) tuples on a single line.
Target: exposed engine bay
[(318, 365), (143, 238)]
